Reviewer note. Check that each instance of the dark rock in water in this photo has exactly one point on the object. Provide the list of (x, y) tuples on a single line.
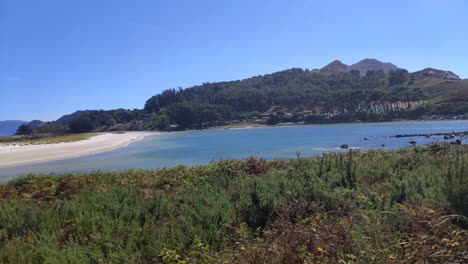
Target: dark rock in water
[(366, 139), (458, 142), (446, 137), (344, 146), (383, 145), (427, 136), (412, 142)]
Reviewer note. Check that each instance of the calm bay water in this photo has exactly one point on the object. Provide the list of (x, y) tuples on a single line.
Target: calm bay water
[(201, 147)]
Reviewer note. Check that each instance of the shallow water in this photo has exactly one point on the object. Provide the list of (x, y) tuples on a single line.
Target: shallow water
[(201, 147)]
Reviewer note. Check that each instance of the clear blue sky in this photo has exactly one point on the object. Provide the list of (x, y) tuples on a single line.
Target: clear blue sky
[(60, 56)]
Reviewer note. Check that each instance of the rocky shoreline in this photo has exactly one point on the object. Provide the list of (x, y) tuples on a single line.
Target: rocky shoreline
[(449, 135)]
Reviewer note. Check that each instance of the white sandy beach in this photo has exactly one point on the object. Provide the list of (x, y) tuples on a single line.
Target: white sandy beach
[(21, 155)]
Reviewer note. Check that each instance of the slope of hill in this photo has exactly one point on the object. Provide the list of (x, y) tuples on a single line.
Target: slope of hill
[(36, 123), (369, 90), (9, 127), (64, 120)]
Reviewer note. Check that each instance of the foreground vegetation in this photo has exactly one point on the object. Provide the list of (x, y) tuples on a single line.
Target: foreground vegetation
[(44, 139), (403, 206)]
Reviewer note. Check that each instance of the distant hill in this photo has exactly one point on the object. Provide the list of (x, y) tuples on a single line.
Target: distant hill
[(9, 127), (66, 119)]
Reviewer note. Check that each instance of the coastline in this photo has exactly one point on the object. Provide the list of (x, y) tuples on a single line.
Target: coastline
[(253, 125), (18, 155), (11, 156), (166, 151)]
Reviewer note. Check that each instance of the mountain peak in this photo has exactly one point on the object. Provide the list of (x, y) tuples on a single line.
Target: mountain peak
[(336, 62), (362, 66), (368, 64), (336, 67), (369, 60)]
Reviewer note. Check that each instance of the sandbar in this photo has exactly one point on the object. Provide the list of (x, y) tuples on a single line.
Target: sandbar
[(16, 155)]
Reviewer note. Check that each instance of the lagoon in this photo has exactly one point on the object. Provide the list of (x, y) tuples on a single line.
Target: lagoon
[(200, 147)]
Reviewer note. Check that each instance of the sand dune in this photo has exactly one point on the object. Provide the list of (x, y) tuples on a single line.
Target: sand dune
[(21, 155)]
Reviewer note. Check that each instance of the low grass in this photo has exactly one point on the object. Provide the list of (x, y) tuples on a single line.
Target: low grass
[(39, 140), (405, 206)]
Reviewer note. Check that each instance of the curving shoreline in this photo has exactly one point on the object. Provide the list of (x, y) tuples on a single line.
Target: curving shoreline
[(11, 156)]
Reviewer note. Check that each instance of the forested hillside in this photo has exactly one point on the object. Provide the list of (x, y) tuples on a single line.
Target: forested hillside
[(366, 91), (295, 95)]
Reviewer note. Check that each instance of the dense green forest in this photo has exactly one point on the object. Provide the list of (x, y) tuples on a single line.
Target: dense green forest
[(404, 206), (295, 96)]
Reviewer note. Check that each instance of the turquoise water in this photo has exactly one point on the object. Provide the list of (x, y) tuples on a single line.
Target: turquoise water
[(201, 147)]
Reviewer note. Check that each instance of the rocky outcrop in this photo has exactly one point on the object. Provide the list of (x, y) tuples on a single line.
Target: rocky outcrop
[(431, 72)]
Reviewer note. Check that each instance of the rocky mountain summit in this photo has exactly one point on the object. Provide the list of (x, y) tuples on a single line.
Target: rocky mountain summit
[(336, 67), (362, 66), (431, 72), (373, 65)]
